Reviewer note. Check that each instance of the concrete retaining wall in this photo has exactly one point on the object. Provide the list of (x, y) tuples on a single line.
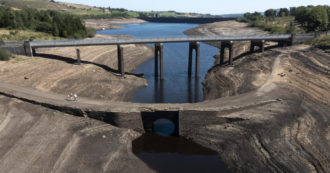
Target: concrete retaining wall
[(14, 47)]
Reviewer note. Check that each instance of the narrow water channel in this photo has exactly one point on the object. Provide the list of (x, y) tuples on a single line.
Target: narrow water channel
[(176, 87), (161, 149)]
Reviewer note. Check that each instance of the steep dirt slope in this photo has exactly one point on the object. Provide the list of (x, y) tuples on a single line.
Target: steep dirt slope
[(37, 139), (97, 76), (291, 134)]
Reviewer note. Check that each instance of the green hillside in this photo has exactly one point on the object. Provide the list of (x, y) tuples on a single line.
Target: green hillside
[(57, 6), (37, 4)]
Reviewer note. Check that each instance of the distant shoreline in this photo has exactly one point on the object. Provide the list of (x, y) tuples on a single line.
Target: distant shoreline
[(104, 24), (195, 20)]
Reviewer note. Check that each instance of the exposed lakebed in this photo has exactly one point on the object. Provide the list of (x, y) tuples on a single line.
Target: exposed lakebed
[(164, 152)]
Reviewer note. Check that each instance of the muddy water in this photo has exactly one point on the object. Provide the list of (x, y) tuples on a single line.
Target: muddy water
[(176, 87)]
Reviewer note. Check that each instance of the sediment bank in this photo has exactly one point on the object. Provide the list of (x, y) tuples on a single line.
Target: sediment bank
[(100, 24), (291, 135), (55, 70)]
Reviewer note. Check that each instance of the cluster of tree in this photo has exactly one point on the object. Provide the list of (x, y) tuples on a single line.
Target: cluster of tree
[(282, 12), (113, 14), (51, 22), (313, 18), (310, 18)]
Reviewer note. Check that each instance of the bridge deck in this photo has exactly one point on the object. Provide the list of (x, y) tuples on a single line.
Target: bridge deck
[(118, 41)]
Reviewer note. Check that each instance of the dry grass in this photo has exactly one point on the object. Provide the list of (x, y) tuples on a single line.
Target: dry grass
[(21, 35)]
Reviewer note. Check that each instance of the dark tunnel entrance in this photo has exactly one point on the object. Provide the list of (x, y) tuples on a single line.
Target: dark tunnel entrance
[(165, 123)]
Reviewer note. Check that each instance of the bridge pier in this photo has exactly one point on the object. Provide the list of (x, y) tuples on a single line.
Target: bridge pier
[(78, 56), (28, 49), (260, 44), (159, 55), (224, 45), (120, 51), (194, 46)]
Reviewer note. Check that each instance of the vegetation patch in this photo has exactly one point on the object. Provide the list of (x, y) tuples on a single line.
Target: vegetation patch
[(293, 20), (22, 35), (322, 42), (54, 23), (4, 55)]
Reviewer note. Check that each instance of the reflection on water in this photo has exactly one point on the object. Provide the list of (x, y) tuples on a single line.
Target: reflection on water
[(176, 154), (163, 127), (176, 87)]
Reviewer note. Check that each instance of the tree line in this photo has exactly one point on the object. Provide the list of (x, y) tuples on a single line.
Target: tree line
[(310, 18), (51, 22)]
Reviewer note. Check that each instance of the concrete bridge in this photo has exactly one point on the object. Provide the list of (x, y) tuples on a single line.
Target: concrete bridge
[(227, 41)]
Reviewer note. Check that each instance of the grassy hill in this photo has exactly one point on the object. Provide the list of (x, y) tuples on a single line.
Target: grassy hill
[(47, 5)]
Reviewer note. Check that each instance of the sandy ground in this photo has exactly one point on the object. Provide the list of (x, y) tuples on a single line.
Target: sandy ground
[(99, 24), (55, 70)]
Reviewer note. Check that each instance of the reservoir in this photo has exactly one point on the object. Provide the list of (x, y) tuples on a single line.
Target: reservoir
[(161, 150), (176, 87)]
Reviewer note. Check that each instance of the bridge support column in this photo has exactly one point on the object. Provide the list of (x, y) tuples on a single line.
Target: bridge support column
[(293, 39), (252, 46), (120, 51), (222, 53), (159, 54), (78, 56), (231, 53), (194, 46), (224, 45), (260, 44), (28, 49)]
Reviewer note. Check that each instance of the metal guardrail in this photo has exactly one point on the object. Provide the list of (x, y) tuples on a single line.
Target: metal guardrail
[(118, 41)]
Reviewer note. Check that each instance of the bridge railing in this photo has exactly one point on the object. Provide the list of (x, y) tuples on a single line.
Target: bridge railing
[(117, 41)]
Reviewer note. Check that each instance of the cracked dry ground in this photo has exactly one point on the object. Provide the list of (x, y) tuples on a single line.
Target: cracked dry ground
[(291, 134)]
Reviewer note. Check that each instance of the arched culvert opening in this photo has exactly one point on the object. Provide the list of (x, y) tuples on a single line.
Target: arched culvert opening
[(164, 123), (163, 127)]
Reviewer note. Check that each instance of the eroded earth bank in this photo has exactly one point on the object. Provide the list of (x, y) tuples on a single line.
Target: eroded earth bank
[(56, 70), (291, 134), (269, 112)]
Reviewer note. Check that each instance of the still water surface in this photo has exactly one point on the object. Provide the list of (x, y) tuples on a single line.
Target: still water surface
[(176, 86), (160, 150)]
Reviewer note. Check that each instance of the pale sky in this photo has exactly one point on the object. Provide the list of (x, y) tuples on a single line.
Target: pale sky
[(200, 6)]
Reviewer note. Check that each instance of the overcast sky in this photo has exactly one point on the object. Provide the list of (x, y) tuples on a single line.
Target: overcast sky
[(200, 6)]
